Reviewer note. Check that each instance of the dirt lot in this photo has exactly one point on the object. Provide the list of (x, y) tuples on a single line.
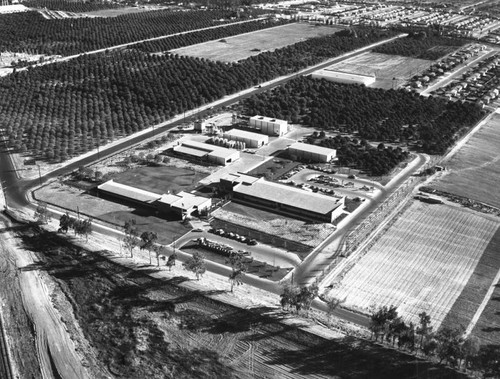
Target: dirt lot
[(120, 11), (249, 44), (478, 161), (422, 263), (384, 67), (153, 328)]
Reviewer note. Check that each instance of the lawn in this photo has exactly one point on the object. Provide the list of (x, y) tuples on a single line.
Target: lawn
[(161, 179), (384, 67), (249, 44), (273, 168), (422, 263), (474, 170)]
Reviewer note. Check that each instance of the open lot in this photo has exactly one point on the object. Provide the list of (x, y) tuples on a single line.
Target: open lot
[(69, 198), (120, 11), (384, 67), (478, 161), (422, 263), (249, 44), (161, 179), (274, 224)]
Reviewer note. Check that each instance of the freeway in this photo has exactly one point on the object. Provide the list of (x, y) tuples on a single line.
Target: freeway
[(5, 368)]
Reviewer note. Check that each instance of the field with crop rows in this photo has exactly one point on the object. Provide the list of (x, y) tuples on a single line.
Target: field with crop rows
[(250, 44), (384, 67), (422, 263), (474, 170)]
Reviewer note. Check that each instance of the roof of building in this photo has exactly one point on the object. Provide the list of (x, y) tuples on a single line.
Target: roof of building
[(240, 178), (245, 134), (268, 119), (183, 200), (190, 151), (344, 75), (291, 196), (314, 149), (212, 150), (129, 192)]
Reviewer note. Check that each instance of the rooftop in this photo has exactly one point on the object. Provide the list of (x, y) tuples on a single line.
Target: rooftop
[(183, 200), (128, 192), (268, 119), (291, 196), (312, 148), (245, 134)]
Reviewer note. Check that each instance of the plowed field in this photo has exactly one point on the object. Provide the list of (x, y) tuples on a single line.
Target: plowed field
[(422, 263)]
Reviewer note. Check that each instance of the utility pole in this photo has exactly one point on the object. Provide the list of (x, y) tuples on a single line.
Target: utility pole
[(39, 175)]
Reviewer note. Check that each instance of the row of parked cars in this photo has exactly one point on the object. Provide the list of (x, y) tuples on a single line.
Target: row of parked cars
[(234, 236)]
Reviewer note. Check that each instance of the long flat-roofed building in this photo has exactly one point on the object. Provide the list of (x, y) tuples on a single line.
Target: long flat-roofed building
[(269, 126), (290, 201), (250, 139), (129, 193), (343, 77), (207, 152), (312, 153)]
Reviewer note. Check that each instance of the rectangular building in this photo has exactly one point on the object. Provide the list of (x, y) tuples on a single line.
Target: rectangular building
[(207, 152), (183, 204), (290, 201), (311, 153), (128, 193), (253, 140), (343, 77), (269, 126)]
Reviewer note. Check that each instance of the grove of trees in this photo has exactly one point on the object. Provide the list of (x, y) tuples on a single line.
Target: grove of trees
[(420, 45), (372, 114), (65, 109), (31, 32), (70, 6)]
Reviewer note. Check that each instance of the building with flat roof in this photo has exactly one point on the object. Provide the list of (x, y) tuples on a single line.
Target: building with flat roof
[(290, 201), (343, 77), (311, 153), (250, 139), (206, 152), (183, 204), (269, 126), (132, 194)]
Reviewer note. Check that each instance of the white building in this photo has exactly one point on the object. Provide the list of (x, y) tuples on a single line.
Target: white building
[(343, 77), (311, 153), (269, 126), (183, 204), (206, 152), (253, 140)]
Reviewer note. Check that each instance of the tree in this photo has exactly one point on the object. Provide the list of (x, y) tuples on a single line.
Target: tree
[(470, 350), (65, 223), (238, 267), (332, 304), (196, 264), (159, 251), (148, 239), (171, 261), (424, 327), (41, 213), (449, 341), (130, 240), (83, 227), (298, 297)]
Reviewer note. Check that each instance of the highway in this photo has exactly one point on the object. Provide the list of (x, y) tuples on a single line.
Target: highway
[(5, 368)]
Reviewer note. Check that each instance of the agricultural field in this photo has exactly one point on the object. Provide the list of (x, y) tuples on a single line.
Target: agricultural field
[(384, 67), (478, 161), (422, 263), (234, 49)]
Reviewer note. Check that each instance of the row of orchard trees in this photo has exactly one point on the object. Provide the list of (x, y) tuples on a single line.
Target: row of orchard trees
[(66, 109), (447, 344), (30, 31)]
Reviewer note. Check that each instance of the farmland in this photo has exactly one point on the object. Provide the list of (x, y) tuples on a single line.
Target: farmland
[(422, 263), (250, 44), (478, 161), (384, 67)]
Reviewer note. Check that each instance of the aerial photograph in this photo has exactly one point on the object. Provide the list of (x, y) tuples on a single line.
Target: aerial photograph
[(219, 189)]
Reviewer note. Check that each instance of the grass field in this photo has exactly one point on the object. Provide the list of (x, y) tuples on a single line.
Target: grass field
[(161, 179), (249, 44), (384, 67), (422, 263), (474, 170)]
